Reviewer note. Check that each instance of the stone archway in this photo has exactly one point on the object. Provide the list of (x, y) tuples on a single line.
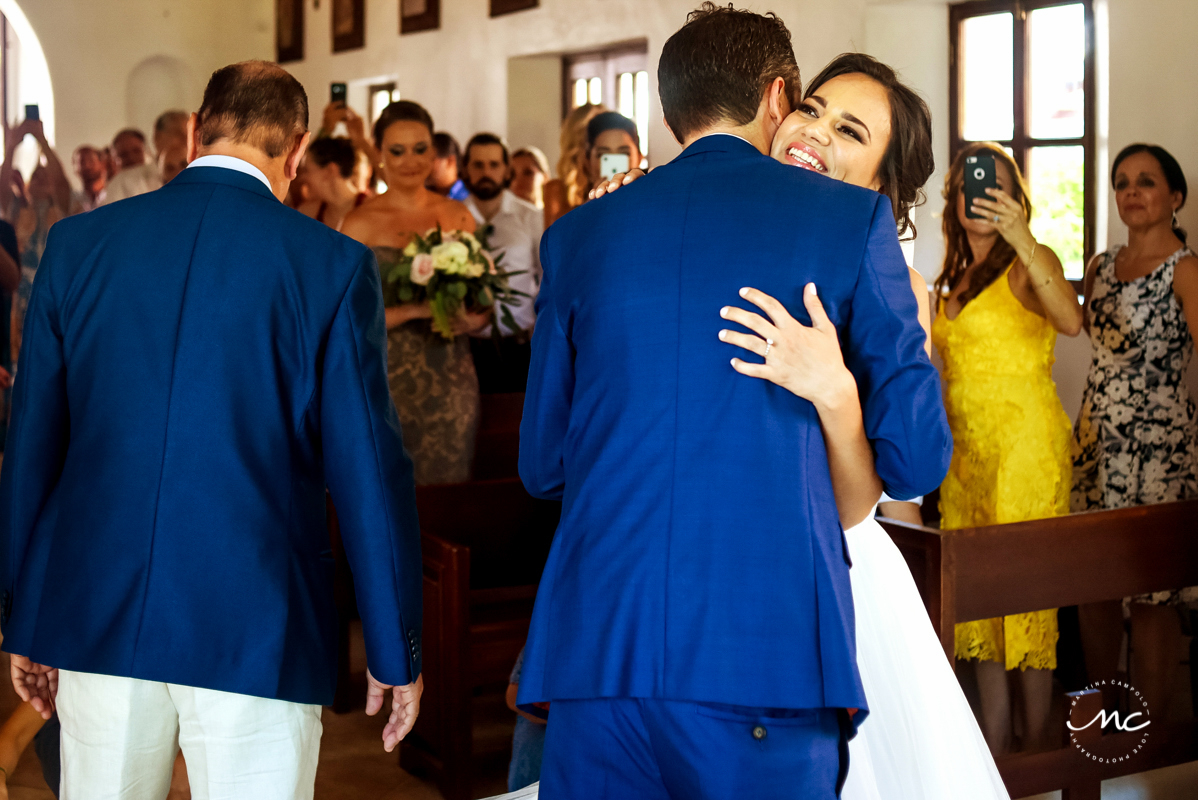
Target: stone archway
[(33, 76)]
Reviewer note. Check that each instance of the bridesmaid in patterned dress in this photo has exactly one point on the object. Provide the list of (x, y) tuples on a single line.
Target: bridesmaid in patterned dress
[(1003, 299), (432, 380), (1136, 438)]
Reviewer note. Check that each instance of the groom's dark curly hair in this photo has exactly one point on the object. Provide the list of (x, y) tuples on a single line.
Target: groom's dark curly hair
[(720, 64)]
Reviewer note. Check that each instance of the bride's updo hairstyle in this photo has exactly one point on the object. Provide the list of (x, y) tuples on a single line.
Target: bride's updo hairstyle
[(908, 162), (401, 111)]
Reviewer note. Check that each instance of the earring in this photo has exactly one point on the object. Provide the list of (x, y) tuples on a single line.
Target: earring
[(1176, 224)]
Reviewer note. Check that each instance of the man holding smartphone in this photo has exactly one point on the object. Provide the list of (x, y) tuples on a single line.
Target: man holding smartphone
[(613, 145)]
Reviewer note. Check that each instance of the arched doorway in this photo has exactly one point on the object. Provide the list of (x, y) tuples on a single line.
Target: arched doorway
[(28, 74)]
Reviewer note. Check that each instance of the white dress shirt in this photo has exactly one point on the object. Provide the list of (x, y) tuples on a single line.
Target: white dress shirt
[(133, 181), (230, 162), (518, 226)]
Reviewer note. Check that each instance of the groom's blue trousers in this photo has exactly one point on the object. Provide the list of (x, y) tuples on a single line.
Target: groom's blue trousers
[(638, 749)]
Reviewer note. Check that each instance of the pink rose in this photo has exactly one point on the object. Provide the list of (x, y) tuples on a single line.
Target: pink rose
[(422, 269)]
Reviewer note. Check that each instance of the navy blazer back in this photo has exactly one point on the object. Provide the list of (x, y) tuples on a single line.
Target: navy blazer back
[(198, 363), (700, 555)]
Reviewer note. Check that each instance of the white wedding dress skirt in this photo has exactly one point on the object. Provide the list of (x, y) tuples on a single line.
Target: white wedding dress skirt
[(920, 741)]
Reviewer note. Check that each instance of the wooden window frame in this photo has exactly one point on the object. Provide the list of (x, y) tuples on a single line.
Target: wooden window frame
[(430, 20), (1020, 142), (355, 39), (296, 51), (371, 91), (633, 47), (501, 7)]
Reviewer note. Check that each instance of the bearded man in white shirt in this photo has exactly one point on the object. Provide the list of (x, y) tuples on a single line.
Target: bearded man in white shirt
[(515, 231)]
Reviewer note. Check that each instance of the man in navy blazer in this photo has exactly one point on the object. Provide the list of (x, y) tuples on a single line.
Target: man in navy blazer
[(694, 628), (198, 364)]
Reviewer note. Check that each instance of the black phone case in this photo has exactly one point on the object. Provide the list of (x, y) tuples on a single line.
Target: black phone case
[(339, 92), (979, 176)]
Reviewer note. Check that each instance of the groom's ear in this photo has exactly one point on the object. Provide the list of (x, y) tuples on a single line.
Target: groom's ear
[(778, 102)]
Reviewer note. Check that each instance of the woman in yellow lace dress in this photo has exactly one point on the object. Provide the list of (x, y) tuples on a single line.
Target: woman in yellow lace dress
[(1004, 297)]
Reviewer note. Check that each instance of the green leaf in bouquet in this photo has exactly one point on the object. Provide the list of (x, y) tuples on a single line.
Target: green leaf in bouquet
[(485, 297), (405, 294), (457, 289), (509, 321)]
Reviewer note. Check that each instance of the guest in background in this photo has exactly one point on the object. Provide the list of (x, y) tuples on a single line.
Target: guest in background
[(445, 178), (514, 230), (569, 189), (43, 202), (611, 133), (172, 159), (91, 169), (1136, 438), (129, 147), (355, 128), (328, 171), (1002, 299), (528, 738), (432, 380), (364, 180), (170, 131), (10, 279), (530, 170)]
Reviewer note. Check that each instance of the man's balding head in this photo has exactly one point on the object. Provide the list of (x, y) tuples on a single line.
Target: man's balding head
[(254, 103)]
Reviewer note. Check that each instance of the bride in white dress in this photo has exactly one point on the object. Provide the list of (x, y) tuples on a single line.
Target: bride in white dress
[(858, 123)]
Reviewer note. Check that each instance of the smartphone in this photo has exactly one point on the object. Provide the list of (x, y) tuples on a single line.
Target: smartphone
[(979, 176), (33, 113), (339, 92), (612, 164)]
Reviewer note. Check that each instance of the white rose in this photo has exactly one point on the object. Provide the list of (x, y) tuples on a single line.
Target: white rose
[(422, 269)]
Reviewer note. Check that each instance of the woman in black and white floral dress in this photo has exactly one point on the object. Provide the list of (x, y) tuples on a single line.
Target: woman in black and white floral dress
[(1136, 437)]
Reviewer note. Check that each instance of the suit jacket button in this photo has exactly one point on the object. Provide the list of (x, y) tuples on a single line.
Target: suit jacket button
[(759, 733)]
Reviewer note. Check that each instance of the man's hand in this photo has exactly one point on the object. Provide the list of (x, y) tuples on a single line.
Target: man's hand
[(405, 707), (36, 684)]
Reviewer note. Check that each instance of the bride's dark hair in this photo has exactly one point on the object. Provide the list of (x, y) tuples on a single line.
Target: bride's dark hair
[(908, 162)]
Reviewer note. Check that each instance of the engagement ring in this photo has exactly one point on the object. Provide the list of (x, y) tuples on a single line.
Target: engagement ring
[(768, 344), (996, 217)]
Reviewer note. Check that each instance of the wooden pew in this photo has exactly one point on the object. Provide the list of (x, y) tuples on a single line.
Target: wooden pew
[(484, 546), (497, 447), (992, 571)]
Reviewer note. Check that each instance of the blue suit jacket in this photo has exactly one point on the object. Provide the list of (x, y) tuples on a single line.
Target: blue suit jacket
[(197, 364), (700, 555)]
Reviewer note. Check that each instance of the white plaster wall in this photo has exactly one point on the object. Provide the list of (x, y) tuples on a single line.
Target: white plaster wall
[(94, 50), (460, 72)]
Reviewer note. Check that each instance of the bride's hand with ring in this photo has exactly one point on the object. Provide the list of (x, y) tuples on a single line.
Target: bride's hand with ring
[(806, 361)]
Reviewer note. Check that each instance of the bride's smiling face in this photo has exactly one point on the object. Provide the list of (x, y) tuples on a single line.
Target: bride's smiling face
[(842, 130)]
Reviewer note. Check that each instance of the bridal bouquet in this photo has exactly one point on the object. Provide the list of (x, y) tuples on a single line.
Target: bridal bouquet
[(452, 270)]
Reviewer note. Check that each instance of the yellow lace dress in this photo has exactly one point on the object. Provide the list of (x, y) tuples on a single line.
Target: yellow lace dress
[(1011, 459)]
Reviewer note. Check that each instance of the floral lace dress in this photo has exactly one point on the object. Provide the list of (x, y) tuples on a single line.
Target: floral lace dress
[(435, 390), (1136, 437)]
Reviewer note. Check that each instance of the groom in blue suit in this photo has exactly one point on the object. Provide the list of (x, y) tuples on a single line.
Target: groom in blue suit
[(198, 364), (694, 631)]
